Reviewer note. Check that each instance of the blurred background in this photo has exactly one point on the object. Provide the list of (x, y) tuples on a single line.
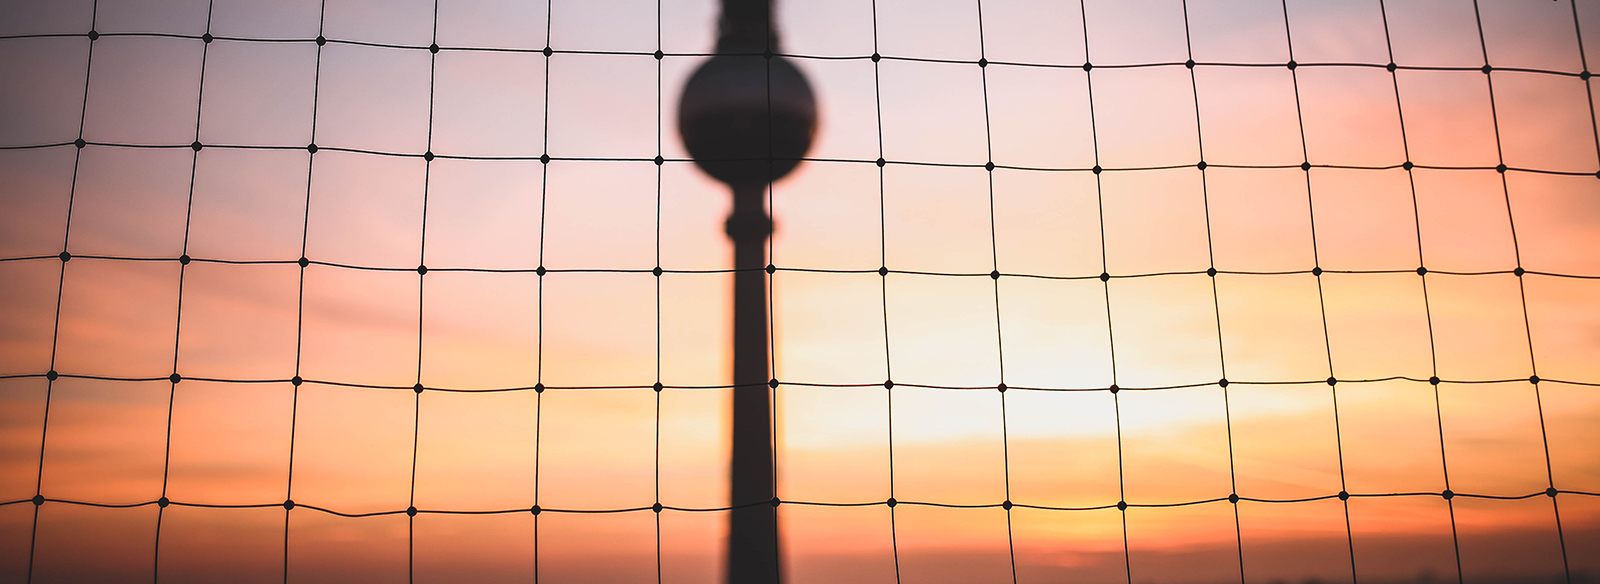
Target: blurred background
[(1510, 292)]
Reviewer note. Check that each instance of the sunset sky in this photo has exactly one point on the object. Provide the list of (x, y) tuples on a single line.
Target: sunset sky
[(1511, 291)]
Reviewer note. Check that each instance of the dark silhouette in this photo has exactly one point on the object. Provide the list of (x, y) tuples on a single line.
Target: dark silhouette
[(747, 116)]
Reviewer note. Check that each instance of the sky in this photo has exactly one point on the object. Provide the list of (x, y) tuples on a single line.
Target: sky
[(362, 326)]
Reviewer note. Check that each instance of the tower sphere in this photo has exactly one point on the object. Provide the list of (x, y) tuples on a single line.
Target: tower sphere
[(747, 119)]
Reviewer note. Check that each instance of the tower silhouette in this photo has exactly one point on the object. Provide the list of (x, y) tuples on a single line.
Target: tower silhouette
[(747, 116)]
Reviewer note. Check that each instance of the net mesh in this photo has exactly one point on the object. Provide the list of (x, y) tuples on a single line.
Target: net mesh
[(1091, 72)]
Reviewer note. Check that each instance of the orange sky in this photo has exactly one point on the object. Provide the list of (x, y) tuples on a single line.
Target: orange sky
[(108, 441)]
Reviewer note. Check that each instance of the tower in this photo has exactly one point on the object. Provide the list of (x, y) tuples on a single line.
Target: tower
[(747, 116)]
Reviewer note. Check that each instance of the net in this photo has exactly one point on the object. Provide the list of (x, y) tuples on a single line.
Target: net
[(1114, 314)]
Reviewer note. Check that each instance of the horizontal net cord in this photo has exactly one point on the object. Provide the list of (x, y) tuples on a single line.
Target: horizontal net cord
[(545, 158), (54, 375), (548, 51), (884, 271), (1120, 505)]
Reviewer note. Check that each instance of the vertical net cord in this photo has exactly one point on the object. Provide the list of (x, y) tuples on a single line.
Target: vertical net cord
[(1216, 302), (656, 505), (422, 273), (1416, 209), (883, 290), (1549, 468), (1433, 355), (1105, 285), (994, 275), (770, 309), (544, 191), (1522, 287), (300, 293), (1511, 223), (1322, 301), (61, 282), (183, 266)]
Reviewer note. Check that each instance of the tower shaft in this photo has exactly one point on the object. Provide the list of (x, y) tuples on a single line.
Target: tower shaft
[(753, 525)]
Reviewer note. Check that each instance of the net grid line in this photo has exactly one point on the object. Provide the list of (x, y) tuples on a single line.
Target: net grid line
[(1233, 498), (875, 57)]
